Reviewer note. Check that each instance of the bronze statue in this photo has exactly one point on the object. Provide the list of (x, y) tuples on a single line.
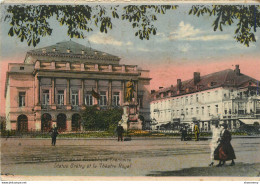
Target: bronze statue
[(130, 90)]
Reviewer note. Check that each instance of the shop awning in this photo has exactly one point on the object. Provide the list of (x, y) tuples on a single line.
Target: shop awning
[(249, 121)]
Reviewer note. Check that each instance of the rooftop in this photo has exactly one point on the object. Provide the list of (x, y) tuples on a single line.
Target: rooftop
[(71, 49), (228, 78)]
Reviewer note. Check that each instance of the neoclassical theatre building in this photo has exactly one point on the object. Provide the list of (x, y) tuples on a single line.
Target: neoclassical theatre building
[(228, 95), (54, 83)]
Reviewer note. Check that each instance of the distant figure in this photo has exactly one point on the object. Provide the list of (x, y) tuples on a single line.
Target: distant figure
[(120, 131), (54, 134), (196, 132), (216, 131), (130, 90), (225, 151), (183, 133)]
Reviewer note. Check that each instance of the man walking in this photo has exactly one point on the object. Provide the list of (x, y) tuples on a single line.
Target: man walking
[(120, 131), (196, 131), (54, 134)]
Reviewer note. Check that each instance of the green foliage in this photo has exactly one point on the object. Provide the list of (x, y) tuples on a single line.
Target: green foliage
[(31, 23), (95, 119), (2, 123), (248, 19), (142, 18)]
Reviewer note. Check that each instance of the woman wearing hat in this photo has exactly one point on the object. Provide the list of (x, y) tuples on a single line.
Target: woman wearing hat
[(225, 150), (216, 131)]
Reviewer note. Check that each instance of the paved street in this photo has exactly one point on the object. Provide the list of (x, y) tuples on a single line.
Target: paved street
[(139, 157)]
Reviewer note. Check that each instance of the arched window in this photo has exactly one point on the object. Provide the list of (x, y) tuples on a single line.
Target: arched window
[(22, 123)]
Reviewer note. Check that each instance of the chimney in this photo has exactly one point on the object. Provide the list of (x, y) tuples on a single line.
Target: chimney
[(196, 77), (178, 84), (237, 70)]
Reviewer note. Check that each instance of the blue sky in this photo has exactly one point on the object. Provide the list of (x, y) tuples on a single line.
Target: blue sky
[(181, 38)]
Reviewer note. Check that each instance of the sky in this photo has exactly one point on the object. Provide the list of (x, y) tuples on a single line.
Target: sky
[(184, 44)]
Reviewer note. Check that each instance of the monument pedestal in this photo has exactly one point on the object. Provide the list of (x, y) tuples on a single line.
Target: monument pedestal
[(130, 115)]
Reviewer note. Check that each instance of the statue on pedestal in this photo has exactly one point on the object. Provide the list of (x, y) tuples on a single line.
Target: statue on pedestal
[(130, 91)]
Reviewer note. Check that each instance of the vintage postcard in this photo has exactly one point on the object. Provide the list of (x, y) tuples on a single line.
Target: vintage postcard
[(130, 91)]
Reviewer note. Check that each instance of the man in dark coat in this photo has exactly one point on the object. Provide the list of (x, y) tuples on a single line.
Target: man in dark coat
[(120, 131), (183, 133), (225, 151), (54, 134)]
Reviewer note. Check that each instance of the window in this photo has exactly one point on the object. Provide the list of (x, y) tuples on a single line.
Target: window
[(116, 101), (103, 98), (186, 100), (173, 113), (88, 98), (187, 111), (209, 110), (21, 68), (191, 99), (202, 110), (202, 97), (45, 97), (191, 111), (61, 97), (208, 95), (197, 98), (216, 106), (216, 93), (74, 98), (182, 111), (21, 99), (197, 110), (178, 113)]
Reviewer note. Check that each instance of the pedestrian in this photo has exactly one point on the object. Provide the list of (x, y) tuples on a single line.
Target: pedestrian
[(196, 131), (225, 151), (120, 131), (216, 131), (54, 134), (183, 133)]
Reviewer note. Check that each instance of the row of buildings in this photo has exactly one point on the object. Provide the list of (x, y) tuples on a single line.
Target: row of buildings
[(54, 83), (228, 96)]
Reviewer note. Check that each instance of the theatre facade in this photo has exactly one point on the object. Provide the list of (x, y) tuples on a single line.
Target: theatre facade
[(55, 83)]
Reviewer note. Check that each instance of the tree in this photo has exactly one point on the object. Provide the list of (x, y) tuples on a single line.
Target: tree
[(31, 23), (2, 123), (95, 119), (248, 19)]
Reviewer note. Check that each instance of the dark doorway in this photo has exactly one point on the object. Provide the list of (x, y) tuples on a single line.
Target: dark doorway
[(61, 122), (75, 124), (22, 123), (46, 122)]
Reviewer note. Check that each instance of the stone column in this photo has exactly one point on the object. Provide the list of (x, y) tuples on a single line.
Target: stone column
[(68, 92), (136, 91), (82, 93), (96, 100), (68, 95), (110, 92), (123, 93), (68, 125), (53, 93), (38, 90)]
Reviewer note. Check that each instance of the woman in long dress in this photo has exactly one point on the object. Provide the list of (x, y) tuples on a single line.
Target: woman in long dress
[(216, 131), (225, 151)]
